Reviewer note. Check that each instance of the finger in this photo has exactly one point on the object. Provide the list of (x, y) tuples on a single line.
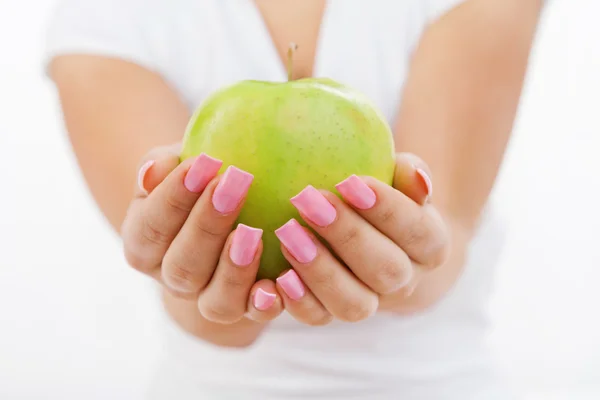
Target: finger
[(374, 258), (340, 292), (225, 298), (300, 302), (194, 253), (418, 230), (413, 178), (153, 222), (264, 303), (155, 167)]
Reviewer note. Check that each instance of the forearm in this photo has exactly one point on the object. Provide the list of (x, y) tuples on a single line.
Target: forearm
[(461, 99), (115, 112), (459, 107)]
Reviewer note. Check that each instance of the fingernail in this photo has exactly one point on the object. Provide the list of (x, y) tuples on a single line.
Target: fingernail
[(244, 244), (292, 285), (425, 182), (295, 239), (357, 192), (231, 189), (142, 174), (263, 300), (201, 172), (315, 206)]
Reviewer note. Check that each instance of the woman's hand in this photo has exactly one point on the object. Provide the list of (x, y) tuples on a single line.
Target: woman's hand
[(178, 230), (384, 239)]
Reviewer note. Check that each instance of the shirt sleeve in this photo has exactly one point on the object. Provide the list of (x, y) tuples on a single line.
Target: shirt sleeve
[(112, 28)]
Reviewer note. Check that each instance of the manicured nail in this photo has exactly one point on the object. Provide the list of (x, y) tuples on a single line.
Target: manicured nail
[(292, 285), (295, 239), (357, 192), (425, 182), (315, 206), (142, 174), (201, 172), (263, 300), (244, 244), (231, 189)]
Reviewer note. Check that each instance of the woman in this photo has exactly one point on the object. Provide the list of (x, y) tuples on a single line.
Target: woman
[(406, 320)]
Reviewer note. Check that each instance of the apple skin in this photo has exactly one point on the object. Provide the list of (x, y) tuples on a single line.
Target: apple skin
[(311, 131)]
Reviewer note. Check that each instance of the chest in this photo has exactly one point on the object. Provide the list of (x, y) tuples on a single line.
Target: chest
[(366, 45), (298, 22)]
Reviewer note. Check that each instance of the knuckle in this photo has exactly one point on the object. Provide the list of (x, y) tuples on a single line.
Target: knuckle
[(178, 276), (387, 215), (234, 281), (138, 260), (153, 234), (357, 310), (390, 275), (437, 253), (210, 231), (221, 312), (320, 319), (349, 237), (416, 234), (178, 204), (325, 279)]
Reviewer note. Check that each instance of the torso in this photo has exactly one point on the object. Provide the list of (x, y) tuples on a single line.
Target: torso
[(291, 21), (199, 46), (366, 45)]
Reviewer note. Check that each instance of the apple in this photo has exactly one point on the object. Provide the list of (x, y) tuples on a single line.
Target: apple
[(312, 131)]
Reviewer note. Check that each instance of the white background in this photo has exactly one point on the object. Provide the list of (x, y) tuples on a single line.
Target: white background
[(76, 323)]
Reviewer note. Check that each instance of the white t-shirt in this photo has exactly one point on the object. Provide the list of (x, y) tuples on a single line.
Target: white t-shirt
[(200, 45)]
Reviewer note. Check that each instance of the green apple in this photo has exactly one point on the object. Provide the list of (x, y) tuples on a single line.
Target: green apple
[(289, 135)]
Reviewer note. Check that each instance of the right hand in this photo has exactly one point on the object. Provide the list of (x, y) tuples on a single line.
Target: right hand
[(178, 230)]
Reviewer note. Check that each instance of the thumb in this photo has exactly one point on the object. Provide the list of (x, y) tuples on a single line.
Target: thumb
[(413, 177), (155, 167)]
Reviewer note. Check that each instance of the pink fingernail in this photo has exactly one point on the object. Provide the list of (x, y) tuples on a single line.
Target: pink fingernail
[(315, 206), (201, 172), (295, 239), (292, 285), (357, 192), (244, 244), (231, 189), (263, 300), (142, 174), (425, 182)]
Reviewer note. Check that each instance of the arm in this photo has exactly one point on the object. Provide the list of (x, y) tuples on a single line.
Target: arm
[(459, 106), (115, 112)]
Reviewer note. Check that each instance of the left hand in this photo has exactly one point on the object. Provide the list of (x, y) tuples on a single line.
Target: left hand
[(384, 239)]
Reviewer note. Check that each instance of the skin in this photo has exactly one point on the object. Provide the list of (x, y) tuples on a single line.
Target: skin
[(458, 108)]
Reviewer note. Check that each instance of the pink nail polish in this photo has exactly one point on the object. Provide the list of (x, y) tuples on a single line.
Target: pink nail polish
[(231, 189), (201, 172), (357, 192), (295, 239), (425, 181), (315, 206), (292, 285), (142, 174), (244, 244), (263, 300)]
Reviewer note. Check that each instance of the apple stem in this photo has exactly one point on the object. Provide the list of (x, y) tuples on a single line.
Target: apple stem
[(290, 55)]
